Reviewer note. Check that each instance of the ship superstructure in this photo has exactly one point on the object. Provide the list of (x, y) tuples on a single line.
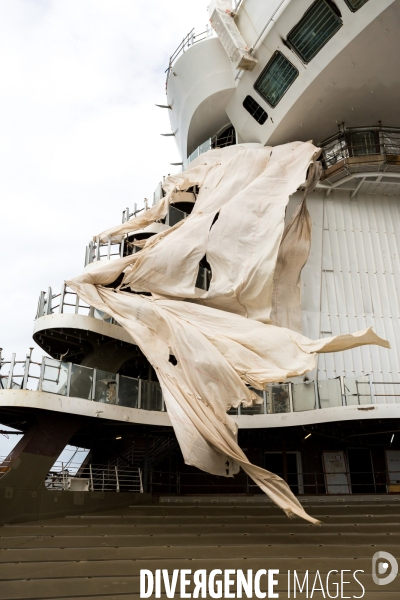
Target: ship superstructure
[(275, 73)]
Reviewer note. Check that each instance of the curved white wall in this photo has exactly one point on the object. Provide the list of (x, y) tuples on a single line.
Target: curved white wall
[(200, 85), (45, 401)]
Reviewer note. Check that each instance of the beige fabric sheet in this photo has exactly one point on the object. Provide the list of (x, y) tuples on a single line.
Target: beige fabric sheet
[(217, 353), (222, 339), (248, 189), (293, 254)]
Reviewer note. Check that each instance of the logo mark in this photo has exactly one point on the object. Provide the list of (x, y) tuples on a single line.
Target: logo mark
[(380, 566)]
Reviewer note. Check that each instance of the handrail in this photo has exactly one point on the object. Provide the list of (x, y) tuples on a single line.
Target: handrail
[(356, 144), (93, 478), (217, 141), (301, 482), (189, 40), (69, 303), (72, 380)]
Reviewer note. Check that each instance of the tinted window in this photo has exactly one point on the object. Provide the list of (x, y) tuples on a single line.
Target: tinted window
[(354, 5), (276, 78), (314, 30), (256, 111)]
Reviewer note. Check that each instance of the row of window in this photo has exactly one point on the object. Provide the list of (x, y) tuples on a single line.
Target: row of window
[(318, 25)]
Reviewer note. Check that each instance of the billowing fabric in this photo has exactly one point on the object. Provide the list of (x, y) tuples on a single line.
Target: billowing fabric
[(174, 183), (222, 340), (293, 254), (237, 225)]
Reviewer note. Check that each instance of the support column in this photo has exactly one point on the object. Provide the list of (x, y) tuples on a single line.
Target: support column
[(32, 458)]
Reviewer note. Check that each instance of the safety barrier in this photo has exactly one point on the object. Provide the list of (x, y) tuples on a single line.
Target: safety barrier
[(69, 379)]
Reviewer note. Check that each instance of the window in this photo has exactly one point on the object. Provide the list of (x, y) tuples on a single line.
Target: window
[(256, 111), (314, 30), (276, 78), (354, 5), (362, 143)]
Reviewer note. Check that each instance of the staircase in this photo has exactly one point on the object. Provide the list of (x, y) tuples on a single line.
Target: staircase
[(99, 556), (159, 447)]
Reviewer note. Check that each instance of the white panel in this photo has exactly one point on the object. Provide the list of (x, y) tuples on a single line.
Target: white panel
[(360, 281)]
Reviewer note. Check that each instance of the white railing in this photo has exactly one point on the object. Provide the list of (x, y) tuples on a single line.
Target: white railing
[(68, 379), (189, 40), (221, 140), (97, 385), (68, 302), (204, 147), (94, 478)]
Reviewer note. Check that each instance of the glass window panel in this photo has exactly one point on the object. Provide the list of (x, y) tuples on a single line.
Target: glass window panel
[(363, 143), (354, 5), (276, 78), (390, 141), (203, 278), (175, 215), (314, 30), (256, 409), (81, 382), (278, 400), (357, 390), (106, 387), (151, 396), (334, 152), (102, 316), (55, 377), (256, 111), (304, 396), (330, 393), (128, 392)]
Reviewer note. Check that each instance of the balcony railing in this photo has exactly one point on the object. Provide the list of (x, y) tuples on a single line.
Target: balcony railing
[(72, 380), (226, 138), (68, 302), (301, 483), (352, 146), (94, 478), (78, 477), (189, 40)]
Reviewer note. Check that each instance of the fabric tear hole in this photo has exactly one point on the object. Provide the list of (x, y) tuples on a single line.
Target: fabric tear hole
[(214, 219), (116, 283), (204, 274), (172, 360)]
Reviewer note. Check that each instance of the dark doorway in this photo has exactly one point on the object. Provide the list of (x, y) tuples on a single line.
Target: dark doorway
[(361, 471), (274, 463)]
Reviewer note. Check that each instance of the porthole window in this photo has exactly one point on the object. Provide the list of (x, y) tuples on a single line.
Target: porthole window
[(354, 5), (276, 78), (256, 111), (314, 30)]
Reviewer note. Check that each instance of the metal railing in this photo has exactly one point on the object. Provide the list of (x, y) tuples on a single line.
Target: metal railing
[(21, 373), (301, 483), (97, 250), (360, 144), (68, 302), (5, 466), (217, 141), (69, 379), (189, 40), (94, 478)]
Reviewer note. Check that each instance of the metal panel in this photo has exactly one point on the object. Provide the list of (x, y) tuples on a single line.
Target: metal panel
[(359, 280)]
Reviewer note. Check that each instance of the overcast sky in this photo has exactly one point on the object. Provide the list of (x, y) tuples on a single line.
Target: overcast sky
[(80, 135)]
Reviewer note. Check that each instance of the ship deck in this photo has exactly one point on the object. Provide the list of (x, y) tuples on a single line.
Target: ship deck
[(100, 555)]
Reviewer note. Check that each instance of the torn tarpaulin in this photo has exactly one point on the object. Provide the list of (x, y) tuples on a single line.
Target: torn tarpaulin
[(222, 338)]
